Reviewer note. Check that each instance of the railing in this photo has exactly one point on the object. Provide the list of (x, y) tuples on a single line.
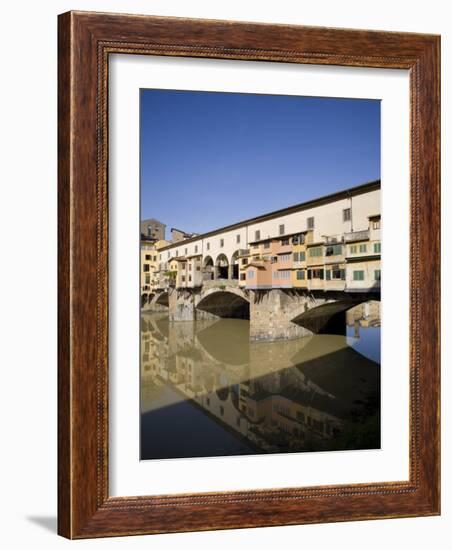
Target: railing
[(334, 239), (356, 236)]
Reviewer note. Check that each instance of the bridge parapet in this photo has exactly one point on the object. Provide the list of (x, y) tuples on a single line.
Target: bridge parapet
[(221, 284)]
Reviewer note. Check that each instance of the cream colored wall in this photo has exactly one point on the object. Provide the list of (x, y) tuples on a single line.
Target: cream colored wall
[(147, 249), (328, 220), (369, 267)]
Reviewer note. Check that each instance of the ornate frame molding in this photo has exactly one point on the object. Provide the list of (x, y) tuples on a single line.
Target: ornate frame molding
[(85, 42)]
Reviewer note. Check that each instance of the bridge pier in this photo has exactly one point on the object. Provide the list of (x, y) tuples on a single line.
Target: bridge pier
[(271, 314), (274, 314), (183, 306)]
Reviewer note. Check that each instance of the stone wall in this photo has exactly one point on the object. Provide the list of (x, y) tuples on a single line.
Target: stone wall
[(271, 314), (274, 314)]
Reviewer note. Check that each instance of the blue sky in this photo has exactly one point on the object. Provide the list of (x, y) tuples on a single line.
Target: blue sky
[(212, 159)]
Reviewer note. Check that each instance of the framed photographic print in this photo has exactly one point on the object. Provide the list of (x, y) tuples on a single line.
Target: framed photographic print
[(248, 275)]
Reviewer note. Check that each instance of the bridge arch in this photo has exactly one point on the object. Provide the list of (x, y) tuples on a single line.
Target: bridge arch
[(229, 303), (328, 316), (208, 268), (163, 299), (222, 266), (234, 269)]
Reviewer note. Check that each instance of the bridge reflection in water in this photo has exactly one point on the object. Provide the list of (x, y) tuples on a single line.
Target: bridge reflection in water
[(206, 390)]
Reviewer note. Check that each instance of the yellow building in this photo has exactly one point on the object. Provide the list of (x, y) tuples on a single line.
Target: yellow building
[(148, 268), (299, 249)]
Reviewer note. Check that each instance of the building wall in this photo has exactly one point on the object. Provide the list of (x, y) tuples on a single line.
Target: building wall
[(345, 231), (153, 228), (328, 220), (148, 266)]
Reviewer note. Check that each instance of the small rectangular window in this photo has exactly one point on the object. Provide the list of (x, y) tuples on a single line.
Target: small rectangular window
[(285, 242), (363, 248), (302, 256), (310, 222), (337, 273), (328, 275), (250, 274), (281, 229), (196, 249), (186, 252), (237, 238), (377, 274), (147, 279), (145, 267), (221, 243), (315, 251), (267, 244), (148, 257), (300, 275), (353, 249), (257, 235), (377, 248), (376, 224), (358, 275), (242, 276), (346, 214), (333, 250), (296, 257), (208, 246)]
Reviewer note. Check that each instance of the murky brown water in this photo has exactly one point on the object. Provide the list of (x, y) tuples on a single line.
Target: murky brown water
[(206, 390)]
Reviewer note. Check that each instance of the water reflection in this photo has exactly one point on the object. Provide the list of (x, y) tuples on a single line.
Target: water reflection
[(206, 390)]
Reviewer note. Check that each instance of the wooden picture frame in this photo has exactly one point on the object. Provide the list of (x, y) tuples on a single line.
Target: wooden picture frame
[(86, 40)]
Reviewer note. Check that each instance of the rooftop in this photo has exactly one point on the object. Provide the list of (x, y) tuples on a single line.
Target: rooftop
[(350, 192)]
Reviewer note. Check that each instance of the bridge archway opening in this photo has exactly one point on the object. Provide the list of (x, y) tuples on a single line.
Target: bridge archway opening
[(330, 318), (223, 393), (222, 267), (208, 268), (163, 299), (235, 265), (225, 304)]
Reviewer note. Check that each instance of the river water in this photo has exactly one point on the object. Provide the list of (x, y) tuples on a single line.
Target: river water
[(206, 390)]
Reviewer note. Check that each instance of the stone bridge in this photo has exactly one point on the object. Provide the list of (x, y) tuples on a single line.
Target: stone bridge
[(274, 314)]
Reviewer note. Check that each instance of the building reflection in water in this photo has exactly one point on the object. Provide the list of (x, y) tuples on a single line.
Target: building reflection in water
[(206, 390)]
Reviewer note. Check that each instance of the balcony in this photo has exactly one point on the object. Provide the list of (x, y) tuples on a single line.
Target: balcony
[(333, 239), (356, 236)]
